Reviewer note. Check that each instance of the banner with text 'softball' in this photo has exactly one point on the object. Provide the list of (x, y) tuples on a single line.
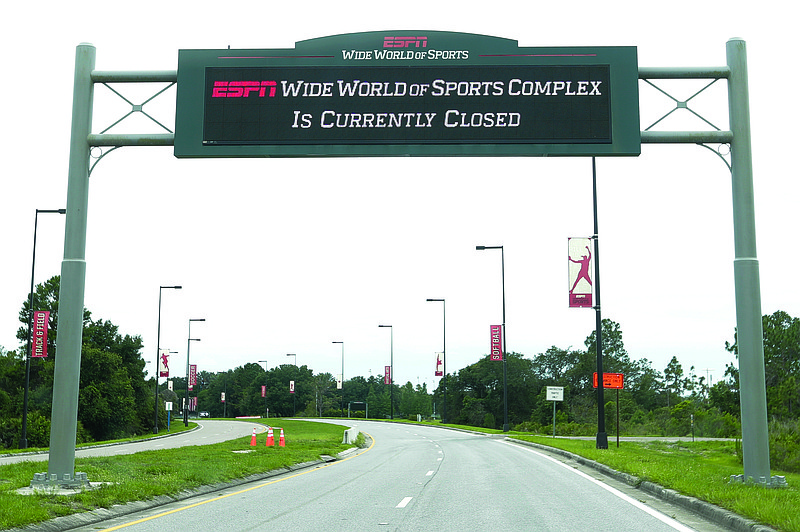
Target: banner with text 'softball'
[(581, 269)]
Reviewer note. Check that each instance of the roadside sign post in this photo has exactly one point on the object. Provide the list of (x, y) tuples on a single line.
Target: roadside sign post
[(555, 393), (615, 381), (168, 408)]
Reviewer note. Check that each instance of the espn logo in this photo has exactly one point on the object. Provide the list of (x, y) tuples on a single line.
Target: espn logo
[(243, 89), (405, 42)]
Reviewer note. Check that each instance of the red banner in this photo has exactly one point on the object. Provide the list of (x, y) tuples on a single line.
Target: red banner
[(291, 386), (39, 341), (387, 375), (163, 363), (192, 375), (263, 392), (439, 365), (496, 332), (579, 266)]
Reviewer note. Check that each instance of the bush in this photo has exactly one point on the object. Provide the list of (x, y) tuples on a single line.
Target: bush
[(37, 433), (784, 446), (489, 422), (529, 426)]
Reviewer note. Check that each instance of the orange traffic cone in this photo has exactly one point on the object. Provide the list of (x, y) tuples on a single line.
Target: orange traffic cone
[(253, 438), (282, 441), (270, 437)]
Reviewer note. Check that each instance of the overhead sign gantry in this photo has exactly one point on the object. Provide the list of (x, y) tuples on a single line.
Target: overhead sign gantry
[(443, 94)]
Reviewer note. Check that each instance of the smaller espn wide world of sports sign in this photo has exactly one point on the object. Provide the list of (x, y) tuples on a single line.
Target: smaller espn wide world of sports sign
[(434, 94)]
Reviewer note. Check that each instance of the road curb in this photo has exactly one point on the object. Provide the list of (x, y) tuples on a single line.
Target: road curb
[(717, 515)]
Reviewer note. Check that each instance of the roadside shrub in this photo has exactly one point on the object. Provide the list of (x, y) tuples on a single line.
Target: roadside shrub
[(529, 426), (37, 433), (576, 429), (784, 446)]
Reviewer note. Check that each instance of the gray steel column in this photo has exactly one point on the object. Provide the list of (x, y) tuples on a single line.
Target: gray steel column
[(63, 424), (752, 386)]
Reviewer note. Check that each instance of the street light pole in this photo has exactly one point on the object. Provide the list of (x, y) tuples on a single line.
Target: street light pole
[(342, 404), (505, 357), (444, 356), (158, 354), (294, 391), (266, 410), (23, 441), (188, 346), (391, 370), (601, 439)]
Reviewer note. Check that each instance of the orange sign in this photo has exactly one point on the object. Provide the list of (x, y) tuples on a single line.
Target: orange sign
[(611, 380)]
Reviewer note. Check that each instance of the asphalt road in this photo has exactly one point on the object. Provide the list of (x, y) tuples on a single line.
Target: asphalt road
[(208, 431), (423, 478)]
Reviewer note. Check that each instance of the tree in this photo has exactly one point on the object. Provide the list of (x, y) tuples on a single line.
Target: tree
[(781, 334), (104, 336), (673, 378), (114, 398), (106, 403)]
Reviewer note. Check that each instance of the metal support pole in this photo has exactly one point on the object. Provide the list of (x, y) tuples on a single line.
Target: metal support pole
[(391, 371), (342, 397), (601, 441), (752, 386), (505, 340), (64, 414), (266, 376)]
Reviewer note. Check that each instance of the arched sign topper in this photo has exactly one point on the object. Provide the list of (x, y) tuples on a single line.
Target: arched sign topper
[(421, 93)]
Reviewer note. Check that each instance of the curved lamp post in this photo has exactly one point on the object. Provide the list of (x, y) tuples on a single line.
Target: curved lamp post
[(188, 347), (391, 370), (505, 381)]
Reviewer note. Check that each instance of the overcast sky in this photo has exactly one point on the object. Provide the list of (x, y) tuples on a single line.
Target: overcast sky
[(288, 255)]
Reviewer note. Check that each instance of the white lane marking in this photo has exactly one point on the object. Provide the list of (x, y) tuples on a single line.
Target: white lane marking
[(655, 513), (404, 502), (429, 473)]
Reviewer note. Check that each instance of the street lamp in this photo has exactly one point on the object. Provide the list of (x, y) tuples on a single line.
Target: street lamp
[(444, 356), (294, 390), (505, 381), (266, 410), (23, 441), (158, 354), (342, 404), (188, 347), (391, 369)]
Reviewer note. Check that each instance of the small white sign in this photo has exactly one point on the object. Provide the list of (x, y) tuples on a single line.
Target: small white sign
[(555, 393), (168, 406)]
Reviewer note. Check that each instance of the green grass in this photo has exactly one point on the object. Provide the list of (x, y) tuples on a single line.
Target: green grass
[(698, 469), (150, 474)]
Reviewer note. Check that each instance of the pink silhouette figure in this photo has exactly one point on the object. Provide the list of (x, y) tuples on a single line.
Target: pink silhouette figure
[(165, 361), (584, 272)]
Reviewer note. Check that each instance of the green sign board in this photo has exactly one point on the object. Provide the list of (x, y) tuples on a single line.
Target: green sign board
[(407, 93)]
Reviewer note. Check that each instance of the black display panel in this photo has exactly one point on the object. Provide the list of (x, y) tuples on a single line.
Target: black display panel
[(376, 105)]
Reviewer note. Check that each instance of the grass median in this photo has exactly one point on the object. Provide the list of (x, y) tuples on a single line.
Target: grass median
[(150, 474)]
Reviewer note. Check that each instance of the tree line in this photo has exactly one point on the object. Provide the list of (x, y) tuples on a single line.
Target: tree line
[(116, 400)]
